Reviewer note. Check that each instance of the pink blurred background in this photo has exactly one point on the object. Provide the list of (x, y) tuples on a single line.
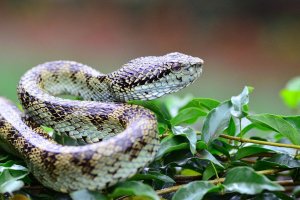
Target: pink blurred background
[(254, 43)]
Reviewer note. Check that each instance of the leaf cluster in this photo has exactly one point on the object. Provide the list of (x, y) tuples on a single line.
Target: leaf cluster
[(204, 154)]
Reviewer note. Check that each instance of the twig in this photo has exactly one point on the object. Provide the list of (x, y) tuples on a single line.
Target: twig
[(288, 183), (243, 140), (221, 180)]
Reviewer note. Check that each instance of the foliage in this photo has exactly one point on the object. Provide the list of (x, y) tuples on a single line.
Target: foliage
[(291, 94), (204, 154)]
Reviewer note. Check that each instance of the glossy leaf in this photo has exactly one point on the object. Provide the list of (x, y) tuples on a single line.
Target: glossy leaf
[(134, 188), (231, 129), (210, 171), (11, 176), (171, 143), (280, 161), (216, 122), (219, 146), (251, 150), (294, 121), (245, 180), (157, 107), (87, 195), (189, 133), (246, 129), (203, 104), (188, 116), (153, 176), (277, 124), (9, 184), (239, 101), (206, 155), (195, 190), (272, 196)]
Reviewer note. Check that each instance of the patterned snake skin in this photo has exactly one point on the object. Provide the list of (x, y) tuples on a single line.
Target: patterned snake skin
[(120, 139)]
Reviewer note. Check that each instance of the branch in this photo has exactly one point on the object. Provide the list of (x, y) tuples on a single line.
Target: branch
[(243, 140), (260, 142), (221, 180)]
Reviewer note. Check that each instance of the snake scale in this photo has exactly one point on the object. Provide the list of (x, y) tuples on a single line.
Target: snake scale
[(120, 139)]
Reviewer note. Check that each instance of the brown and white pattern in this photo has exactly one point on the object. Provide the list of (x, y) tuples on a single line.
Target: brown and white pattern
[(120, 138)]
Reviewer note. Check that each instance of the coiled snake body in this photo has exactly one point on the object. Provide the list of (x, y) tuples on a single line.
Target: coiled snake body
[(122, 138)]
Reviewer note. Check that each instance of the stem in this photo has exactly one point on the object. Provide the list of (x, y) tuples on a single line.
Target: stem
[(215, 170), (221, 180), (288, 183), (240, 125), (260, 142)]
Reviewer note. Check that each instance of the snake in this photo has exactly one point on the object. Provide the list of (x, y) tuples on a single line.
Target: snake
[(117, 139)]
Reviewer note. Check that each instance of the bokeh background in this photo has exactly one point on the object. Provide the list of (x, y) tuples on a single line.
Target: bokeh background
[(249, 42)]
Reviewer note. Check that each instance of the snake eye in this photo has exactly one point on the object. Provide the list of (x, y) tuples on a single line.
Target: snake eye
[(176, 68)]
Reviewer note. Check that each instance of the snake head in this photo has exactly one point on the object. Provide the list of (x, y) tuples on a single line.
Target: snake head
[(151, 77)]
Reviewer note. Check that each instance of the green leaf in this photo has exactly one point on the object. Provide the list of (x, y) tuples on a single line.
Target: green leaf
[(153, 175), (195, 190), (216, 122), (134, 188), (10, 176), (203, 104), (272, 196), (247, 128), (277, 124), (206, 155), (239, 101), (158, 108), (296, 191), (246, 181), (231, 129), (210, 171), (87, 195), (280, 161), (200, 145), (290, 98), (174, 103), (171, 143), (189, 133), (3, 157), (189, 172), (219, 146), (9, 184), (294, 121), (251, 150), (291, 94), (188, 116)]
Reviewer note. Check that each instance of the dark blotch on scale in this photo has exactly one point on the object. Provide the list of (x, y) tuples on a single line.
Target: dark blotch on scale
[(83, 160), (2, 123), (49, 162)]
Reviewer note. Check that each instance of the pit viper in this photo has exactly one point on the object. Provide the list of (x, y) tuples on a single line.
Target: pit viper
[(120, 138)]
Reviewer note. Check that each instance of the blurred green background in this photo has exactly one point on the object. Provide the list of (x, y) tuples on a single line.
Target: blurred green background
[(248, 42)]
